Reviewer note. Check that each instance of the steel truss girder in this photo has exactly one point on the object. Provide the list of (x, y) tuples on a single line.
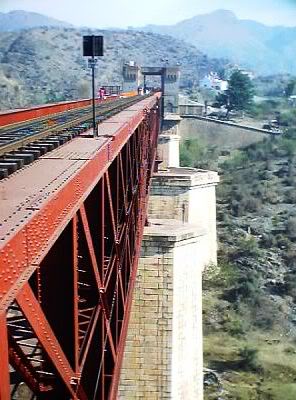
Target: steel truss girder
[(64, 313)]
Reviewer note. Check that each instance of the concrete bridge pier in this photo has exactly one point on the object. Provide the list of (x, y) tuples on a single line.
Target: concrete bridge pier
[(169, 142), (168, 150), (188, 195), (163, 356)]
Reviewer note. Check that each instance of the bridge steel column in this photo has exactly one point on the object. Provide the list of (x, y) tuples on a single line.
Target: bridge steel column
[(67, 269)]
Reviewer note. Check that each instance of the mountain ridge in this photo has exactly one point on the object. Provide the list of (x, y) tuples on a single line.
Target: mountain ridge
[(265, 49), (46, 64), (17, 20)]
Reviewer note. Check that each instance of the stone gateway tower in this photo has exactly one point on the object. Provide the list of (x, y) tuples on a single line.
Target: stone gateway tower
[(171, 90), (135, 76), (131, 77)]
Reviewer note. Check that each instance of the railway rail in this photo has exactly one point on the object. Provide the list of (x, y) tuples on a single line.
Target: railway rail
[(24, 142)]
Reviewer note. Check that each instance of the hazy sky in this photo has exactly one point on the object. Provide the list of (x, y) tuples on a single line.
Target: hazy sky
[(122, 13)]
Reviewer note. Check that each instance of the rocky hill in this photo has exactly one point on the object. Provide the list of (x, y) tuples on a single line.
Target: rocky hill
[(46, 64), (249, 305), (18, 20), (266, 50)]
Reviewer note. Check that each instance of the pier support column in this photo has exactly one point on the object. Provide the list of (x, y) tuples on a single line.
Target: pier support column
[(163, 356), (188, 195), (169, 142), (168, 150)]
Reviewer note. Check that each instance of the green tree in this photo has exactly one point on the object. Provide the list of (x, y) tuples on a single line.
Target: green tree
[(239, 95), (289, 90), (193, 153), (249, 358)]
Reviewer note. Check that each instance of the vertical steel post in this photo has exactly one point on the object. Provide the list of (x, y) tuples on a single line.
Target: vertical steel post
[(144, 84), (93, 95), (4, 363), (75, 292), (163, 72)]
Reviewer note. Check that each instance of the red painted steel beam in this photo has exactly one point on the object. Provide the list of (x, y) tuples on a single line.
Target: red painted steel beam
[(75, 293), (21, 115), (33, 312), (18, 360), (94, 263)]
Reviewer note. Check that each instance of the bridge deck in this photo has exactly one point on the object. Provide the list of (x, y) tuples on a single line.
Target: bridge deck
[(26, 193), (24, 114), (71, 225), (31, 187)]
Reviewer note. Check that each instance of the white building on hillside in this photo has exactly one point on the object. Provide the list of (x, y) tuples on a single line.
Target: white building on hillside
[(212, 81), (243, 71)]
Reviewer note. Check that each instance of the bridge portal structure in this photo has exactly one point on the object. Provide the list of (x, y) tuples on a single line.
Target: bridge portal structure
[(133, 76), (71, 231)]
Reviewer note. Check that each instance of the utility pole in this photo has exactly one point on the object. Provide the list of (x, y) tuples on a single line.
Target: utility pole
[(93, 65), (93, 47), (165, 63), (163, 74), (144, 84)]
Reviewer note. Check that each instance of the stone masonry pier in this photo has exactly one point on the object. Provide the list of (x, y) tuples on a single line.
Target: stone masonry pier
[(163, 355), (188, 195)]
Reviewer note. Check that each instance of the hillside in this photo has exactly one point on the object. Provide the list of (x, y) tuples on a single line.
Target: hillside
[(249, 304), (18, 20), (46, 64), (266, 50)]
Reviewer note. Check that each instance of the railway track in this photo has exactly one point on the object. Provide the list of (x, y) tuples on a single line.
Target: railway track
[(22, 143)]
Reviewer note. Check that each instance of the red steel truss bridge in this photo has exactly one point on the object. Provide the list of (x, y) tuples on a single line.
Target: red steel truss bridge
[(71, 226)]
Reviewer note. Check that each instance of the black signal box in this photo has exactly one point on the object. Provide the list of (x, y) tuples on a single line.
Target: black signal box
[(93, 46)]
